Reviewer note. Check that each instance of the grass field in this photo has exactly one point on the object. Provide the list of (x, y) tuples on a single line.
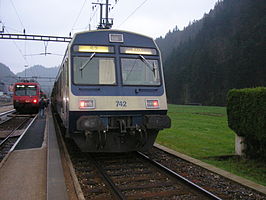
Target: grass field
[(202, 132)]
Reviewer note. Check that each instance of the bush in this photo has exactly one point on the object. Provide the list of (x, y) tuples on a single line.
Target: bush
[(246, 110)]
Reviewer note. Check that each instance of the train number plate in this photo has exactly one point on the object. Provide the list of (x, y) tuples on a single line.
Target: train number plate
[(121, 104)]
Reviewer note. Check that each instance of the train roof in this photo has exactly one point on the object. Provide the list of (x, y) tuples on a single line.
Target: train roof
[(111, 31), (27, 83), (102, 36)]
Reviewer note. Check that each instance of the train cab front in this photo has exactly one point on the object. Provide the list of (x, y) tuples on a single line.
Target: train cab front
[(26, 104), (26, 96), (117, 92)]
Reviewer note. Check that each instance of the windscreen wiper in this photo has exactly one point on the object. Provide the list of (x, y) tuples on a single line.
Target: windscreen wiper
[(84, 65), (150, 66)]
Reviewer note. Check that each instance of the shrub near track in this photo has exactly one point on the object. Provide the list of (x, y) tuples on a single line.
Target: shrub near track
[(246, 110)]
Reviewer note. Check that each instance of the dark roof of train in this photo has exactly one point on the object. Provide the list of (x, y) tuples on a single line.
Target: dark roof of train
[(102, 37)]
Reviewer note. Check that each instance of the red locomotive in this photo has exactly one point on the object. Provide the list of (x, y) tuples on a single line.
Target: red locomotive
[(26, 96)]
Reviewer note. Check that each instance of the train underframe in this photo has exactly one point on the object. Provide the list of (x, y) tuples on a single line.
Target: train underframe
[(26, 108), (118, 133)]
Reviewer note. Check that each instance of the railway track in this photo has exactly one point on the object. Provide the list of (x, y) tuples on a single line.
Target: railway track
[(130, 176), (219, 185), (7, 112), (10, 131), (4, 115), (3, 104)]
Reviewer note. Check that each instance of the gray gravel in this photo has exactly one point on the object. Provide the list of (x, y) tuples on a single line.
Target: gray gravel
[(218, 185)]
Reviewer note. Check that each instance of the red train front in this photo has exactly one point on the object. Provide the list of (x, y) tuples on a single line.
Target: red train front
[(26, 96)]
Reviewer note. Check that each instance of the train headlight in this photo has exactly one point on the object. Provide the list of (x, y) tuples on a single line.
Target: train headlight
[(87, 103), (34, 101), (152, 103)]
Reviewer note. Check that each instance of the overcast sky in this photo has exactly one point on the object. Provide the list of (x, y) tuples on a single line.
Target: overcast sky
[(60, 17)]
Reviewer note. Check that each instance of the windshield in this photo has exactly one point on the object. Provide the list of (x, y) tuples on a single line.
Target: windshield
[(26, 90), (140, 71), (94, 70)]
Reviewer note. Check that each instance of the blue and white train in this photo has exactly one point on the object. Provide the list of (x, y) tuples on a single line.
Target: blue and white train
[(110, 92)]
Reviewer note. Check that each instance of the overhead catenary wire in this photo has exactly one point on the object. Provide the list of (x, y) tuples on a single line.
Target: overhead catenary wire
[(2, 26), (16, 45), (23, 27), (78, 15), (20, 51), (133, 12), (92, 16), (0, 9), (113, 7), (23, 30)]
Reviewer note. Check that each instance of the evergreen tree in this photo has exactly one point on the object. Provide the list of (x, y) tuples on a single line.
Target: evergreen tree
[(223, 50)]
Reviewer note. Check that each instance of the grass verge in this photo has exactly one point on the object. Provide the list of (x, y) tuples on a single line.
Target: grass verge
[(202, 132)]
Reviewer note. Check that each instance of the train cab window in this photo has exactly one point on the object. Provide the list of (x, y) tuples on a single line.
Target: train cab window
[(140, 71), (26, 90), (94, 70)]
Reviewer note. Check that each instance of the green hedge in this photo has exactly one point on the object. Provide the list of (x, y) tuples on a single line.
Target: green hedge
[(246, 110)]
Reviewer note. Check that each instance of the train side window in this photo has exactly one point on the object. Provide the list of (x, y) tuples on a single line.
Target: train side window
[(60, 85), (64, 75), (67, 73)]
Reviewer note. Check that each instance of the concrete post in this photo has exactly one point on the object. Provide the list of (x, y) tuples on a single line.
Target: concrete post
[(239, 145)]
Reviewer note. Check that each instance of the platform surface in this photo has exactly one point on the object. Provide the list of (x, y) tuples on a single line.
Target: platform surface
[(23, 176), (56, 187), (34, 170), (34, 136)]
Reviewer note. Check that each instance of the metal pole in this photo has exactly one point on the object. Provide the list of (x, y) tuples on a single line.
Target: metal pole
[(106, 23), (25, 71), (101, 15)]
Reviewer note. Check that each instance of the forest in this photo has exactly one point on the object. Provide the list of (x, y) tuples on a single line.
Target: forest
[(225, 49)]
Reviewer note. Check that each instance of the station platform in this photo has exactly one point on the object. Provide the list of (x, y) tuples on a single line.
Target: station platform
[(33, 170)]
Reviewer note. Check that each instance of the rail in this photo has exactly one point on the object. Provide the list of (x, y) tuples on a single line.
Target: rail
[(10, 134), (183, 179), (6, 151), (7, 112), (116, 190)]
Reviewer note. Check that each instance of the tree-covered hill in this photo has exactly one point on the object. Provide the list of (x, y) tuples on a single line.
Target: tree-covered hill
[(7, 78), (226, 49)]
